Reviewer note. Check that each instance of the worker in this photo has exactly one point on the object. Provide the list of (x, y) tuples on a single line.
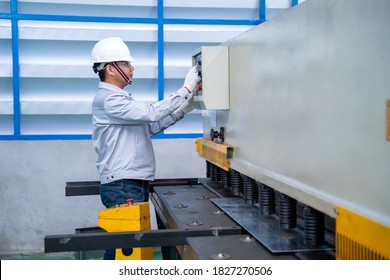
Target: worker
[(122, 126)]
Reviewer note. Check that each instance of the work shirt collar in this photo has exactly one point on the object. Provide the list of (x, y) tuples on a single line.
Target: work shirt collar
[(111, 87)]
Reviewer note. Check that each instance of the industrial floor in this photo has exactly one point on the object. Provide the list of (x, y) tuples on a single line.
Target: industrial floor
[(65, 256)]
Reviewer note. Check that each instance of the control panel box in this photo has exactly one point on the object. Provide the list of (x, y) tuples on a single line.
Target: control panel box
[(212, 93)]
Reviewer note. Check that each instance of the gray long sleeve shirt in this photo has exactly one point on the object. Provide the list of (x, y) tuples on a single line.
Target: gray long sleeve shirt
[(122, 128)]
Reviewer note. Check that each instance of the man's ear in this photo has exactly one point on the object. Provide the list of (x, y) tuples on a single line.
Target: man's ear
[(109, 70)]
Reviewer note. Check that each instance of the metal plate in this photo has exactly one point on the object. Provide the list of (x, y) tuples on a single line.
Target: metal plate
[(219, 247), (265, 228), (199, 213)]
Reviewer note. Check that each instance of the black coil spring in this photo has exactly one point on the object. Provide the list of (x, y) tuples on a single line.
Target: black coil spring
[(215, 174), (250, 190), (287, 211), (266, 199), (208, 169), (314, 233), (235, 182), (225, 178)]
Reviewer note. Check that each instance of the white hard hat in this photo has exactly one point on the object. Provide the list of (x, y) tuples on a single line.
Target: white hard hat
[(110, 49)]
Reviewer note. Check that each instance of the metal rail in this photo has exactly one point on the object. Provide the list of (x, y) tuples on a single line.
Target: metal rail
[(130, 239)]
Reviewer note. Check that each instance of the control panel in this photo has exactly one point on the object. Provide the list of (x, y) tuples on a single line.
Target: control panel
[(212, 62)]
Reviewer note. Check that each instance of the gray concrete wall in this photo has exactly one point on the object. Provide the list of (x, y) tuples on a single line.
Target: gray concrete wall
[(32, 187)]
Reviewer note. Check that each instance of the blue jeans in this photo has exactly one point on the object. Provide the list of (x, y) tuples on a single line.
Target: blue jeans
[(118, 192)]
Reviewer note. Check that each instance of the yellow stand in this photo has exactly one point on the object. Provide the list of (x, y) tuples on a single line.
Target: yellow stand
[(127, 217)]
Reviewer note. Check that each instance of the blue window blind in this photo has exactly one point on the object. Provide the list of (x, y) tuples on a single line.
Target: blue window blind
[(46, 81)]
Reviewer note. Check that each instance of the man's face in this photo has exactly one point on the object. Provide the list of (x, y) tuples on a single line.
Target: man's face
[(125, 71), (121, 73)]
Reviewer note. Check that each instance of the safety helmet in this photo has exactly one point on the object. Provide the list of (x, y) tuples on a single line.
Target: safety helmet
[(110, 49)]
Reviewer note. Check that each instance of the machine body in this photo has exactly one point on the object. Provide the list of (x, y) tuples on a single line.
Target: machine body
[(307, 111)]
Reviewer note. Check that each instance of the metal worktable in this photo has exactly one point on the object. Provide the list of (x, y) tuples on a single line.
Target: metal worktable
[(196, 220), (191, 206)]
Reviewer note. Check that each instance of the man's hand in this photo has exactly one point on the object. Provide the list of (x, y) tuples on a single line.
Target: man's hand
[(192, 79)]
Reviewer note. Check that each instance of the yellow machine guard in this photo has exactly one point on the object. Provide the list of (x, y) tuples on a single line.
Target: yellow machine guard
[(359, 238), (128, 218)]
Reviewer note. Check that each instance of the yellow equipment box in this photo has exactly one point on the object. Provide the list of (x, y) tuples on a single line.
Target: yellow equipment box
[(127, 217)]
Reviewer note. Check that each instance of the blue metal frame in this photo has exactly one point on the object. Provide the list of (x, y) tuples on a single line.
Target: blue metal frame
[(15, 68), (160, 45), (160, 21)]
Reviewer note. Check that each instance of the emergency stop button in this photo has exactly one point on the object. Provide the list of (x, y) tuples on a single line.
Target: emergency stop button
[(129, 201)]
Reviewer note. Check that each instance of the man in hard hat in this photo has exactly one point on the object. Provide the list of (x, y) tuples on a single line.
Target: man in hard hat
[(122, 126)]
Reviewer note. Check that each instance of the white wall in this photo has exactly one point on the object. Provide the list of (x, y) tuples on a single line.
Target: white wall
[(32, 187)]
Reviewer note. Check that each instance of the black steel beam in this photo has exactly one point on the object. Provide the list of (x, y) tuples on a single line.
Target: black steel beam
[(82, 188), (129, 239), (92, 187)]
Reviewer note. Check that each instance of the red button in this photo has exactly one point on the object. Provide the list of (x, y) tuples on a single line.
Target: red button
[(129, 201)]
